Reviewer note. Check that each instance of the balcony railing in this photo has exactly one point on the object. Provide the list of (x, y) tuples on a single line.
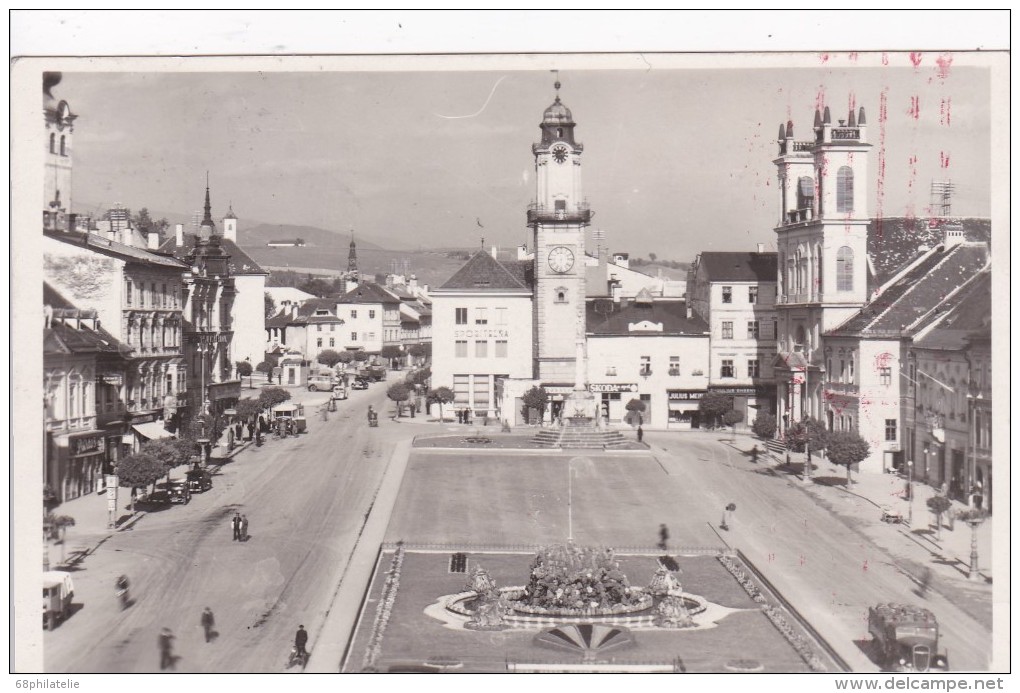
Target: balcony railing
[(580, 214)]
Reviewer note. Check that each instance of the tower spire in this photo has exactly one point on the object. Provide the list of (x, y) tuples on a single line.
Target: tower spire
[(556, 84), (207, 219), (352, 256)]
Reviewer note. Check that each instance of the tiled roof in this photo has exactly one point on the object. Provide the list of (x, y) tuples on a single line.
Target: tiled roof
[(367, 292), (240, 263), (608, 318), (281, 319), (54, 299), (969, 318), (484, 273), (893, 242), (104, 246), (739, 267), (65, 338), (918, 293)]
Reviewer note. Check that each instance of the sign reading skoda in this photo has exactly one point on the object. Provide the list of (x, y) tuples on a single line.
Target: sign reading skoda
[(612, 387)]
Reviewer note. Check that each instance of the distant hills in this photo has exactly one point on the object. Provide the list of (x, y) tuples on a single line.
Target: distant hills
[(261, 234)]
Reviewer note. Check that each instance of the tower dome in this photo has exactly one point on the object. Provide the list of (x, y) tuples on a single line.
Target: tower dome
[(557, 121), (557, 114)]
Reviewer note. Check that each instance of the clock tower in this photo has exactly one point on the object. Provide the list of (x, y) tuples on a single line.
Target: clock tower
[(558, 218)]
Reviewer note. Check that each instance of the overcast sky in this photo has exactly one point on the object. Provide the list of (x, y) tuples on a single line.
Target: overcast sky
[(676, 161)]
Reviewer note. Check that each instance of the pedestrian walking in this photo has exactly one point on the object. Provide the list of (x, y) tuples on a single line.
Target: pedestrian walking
[(251, 430), (301, 641), (208, 621), (754, 454), (166, 649), (244, 528), (640, 433), (727, 518), (663, 536), (236, 524)]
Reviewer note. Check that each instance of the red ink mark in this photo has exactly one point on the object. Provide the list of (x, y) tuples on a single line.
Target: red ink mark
[(865, 566), (885, 58), (771, 557), (883, 116), (804, 560), (944, 62), (915, 58), (912, 163), (915, 107), (824, 57), (883, 360), (945, 112), (943, 160), (853, 57), (820, 98)]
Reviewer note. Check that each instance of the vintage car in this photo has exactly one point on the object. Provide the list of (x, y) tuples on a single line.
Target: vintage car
[(295, 413), (320, 382), (180, 492), (339, 392), (359, 384), (57, 590), (906, 638), (199, 480)]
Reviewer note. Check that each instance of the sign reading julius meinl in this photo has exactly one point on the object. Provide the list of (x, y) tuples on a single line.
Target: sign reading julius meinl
[(86, 445)]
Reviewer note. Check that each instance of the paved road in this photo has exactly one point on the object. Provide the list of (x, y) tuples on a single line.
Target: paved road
[(830, 572), (306, 499)]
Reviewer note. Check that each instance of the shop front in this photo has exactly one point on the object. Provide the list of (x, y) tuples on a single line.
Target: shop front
[(558, 395), (80, 458), (749, 399), (612, 399), (683, 409)]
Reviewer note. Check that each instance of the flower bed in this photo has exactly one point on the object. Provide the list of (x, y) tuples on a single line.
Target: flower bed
[(385, 609)]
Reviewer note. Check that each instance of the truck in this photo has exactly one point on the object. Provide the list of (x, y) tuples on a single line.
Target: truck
[(373, 372), (57, 590), (906, 638)]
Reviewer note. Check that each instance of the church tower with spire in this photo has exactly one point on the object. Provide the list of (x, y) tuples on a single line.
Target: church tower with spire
[(558, 218)]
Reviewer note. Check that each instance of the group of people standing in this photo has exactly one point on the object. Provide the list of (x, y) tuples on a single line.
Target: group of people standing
[(240, 525), (464, 415)]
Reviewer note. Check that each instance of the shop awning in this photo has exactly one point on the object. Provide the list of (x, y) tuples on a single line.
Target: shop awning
[(153, 430)]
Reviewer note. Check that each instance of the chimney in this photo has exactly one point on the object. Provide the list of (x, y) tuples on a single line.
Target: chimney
[(522, 251), (954, 235), (761, 248), (495, 252), (412, 285), (179, 232), (617, 290), (153, 240)]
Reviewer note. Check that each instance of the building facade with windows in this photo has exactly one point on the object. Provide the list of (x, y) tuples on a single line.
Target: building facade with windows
[(371, 315), (138, 298), (482, 334), (652, 350), (735, 293)]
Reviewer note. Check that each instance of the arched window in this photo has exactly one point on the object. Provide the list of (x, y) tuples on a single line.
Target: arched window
[(805, 192), (845, 189), (801, 338), (844, 269), (53, 143), (63, 150)]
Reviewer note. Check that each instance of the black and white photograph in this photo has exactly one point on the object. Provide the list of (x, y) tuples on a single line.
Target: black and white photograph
[(544, 362)]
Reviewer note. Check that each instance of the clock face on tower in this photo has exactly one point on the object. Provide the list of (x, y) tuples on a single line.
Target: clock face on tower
[(561, 259), (559, 153)]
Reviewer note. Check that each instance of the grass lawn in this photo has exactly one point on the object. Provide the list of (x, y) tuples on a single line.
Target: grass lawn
[(412, 637)]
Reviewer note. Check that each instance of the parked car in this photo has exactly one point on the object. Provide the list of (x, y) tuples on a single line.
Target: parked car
[(359, 384), (339, 392), (319, 382), (199, 480), (158, 497), (180, 492)]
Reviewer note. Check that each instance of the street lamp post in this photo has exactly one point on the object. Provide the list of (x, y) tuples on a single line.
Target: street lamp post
[(910, 492)]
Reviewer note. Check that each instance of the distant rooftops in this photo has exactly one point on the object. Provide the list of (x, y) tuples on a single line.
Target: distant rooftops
[(739, 266)]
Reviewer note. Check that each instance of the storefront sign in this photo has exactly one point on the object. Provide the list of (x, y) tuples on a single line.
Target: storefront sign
[(116, 379), (558, 389), (498, 333), (86, 445), (745, 391), (682, 395), (612, 387)]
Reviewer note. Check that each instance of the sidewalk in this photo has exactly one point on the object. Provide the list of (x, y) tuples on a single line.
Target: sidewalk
[(91, 517)]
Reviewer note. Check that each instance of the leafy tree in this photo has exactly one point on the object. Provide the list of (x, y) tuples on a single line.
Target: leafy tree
[(417, 351), (420, 376), (652, 256), (270, 305), (817, 434), (713, 405), (346, 357), (316, 286), (636, 410), (399, 393), (939, 505), (244, 370), (56, 526), (764, 425), (535, 399), (271, 396), (139, 470), (390, 352), (732, 418), (329, 357), (797, 436), (248, 408), (441, 395), (847, 448), (170, 452), (361, 356)]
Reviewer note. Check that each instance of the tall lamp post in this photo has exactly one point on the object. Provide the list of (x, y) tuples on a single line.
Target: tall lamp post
[(910, 492), (204, 439)]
